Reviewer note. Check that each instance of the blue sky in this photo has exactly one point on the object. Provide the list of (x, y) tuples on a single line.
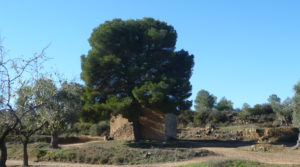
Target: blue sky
[(244, 50)]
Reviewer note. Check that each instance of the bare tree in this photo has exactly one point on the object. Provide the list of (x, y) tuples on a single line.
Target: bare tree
[(12, 74)]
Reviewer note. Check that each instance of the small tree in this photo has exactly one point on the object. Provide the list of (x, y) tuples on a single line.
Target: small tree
[(286, 111), (283, 110), (296, 112), (261, 113), (185, 118), (274, 99), (224, 104), (246, 107), (201, 118), (32, 117), (204, 101), (62, 109)]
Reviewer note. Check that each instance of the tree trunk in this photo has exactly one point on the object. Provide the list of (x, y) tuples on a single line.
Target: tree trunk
[(25, 153), (54, 140), (297, 146), (3, 151), (136, 130)]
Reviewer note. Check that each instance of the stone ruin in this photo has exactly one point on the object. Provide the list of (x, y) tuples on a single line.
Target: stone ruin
[(153, 125)]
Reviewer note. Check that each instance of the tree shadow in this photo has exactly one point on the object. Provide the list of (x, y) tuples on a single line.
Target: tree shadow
[(286, 144), (146, 144)]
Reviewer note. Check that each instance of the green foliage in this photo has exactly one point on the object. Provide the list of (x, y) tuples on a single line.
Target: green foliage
[(261, 109), (214, 117), (283, 110), (259, 113), (283, 134), (100, 129), (112, 152), (244, 115), (201, 118), (70, 93), (133, 63), (246, 107), (151, 93), (231, 163), (63, 108), (204, 101), (273, 99), (224, 104), (30, 103), (296, 101), (86, 128), (82, 128), (185, 118), (217, 117)]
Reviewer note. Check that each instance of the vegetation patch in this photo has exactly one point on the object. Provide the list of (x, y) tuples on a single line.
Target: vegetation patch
[(111, 152), (263, 147), (232, 162)]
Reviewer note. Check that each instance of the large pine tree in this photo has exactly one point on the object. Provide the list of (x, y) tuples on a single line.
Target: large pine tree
[(133, 64)]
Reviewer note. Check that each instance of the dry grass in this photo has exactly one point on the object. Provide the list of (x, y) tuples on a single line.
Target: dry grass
[(106, 152)]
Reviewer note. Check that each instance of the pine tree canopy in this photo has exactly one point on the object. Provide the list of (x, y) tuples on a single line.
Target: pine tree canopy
[(134, 64)]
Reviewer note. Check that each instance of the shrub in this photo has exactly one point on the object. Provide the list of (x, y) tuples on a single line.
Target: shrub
[(185, 118), (82, 128), (217, 117), (201, 118), (260, 113), (100, 129), (283, 134)]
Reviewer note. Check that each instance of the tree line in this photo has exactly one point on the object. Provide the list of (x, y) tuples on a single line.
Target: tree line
[(274, 112)]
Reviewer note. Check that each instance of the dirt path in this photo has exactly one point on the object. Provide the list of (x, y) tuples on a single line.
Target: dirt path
[(77, 144), (286, 156)]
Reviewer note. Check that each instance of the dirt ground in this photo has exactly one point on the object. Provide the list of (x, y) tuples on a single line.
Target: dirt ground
[(224, 150)]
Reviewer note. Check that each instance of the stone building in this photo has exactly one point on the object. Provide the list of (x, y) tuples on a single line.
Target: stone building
[(153, 125)]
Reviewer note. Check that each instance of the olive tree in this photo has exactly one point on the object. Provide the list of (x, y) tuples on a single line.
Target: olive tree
[(32, 116), (283, 109), (286, 111), (296, 112)]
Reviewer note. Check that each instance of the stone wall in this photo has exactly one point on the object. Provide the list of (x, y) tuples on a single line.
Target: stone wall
[(153, 125), (121, 128)]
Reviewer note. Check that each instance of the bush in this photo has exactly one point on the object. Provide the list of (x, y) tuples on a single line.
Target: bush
[(229, 162), (260, 113), (185, 118), (201, 118), (266, 118), (113, 152), (100, 129), (217, 117), (283, 134), (82, 128)]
